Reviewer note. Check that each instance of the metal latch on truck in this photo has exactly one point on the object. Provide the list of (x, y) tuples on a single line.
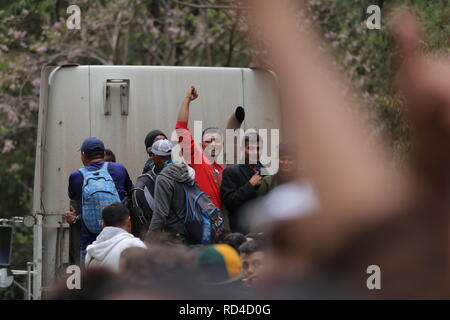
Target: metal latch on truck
[(124, 92)]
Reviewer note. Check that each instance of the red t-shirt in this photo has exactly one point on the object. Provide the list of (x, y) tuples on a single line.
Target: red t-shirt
[(208, 176)]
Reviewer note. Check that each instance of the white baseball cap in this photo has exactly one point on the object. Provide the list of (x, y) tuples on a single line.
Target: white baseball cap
[(162, 147)]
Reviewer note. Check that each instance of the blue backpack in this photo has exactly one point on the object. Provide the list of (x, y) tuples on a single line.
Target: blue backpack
[(98, 192), (203, 223)]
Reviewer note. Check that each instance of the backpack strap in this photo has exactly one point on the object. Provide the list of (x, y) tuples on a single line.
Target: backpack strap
[(186, 203), (104, 167), (146, 175), (138, 210), (85, 172), (195, 201)]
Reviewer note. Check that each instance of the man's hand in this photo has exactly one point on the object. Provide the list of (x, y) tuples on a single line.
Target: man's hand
[(192, 94), (70, 217), (424, 82), (256, 180)]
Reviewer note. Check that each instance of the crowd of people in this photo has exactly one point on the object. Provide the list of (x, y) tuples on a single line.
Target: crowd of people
[(311, 230), (111, 216)]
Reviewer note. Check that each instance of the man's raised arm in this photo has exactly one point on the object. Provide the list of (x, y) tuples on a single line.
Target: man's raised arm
[(185, 138), (183, 114)]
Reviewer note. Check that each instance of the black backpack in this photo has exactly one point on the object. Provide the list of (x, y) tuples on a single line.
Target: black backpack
[(143, 198), (203, 222)]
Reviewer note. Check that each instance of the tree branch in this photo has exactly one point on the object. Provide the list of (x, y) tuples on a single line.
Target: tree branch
[(208, 6)]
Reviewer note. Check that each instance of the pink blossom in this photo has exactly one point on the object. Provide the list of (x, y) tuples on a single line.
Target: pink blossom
[(12, 117), (174, 31), (8, 146), (33, 106), (36, 82), (14, 167)]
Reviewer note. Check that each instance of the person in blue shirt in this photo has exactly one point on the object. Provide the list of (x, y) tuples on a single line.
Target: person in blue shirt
[(92, 157)]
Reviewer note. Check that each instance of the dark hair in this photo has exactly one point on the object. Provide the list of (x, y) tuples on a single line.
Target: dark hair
[(251, 247), (164, 158), (95, 154), (115, 215), (234, 240), (150, 138), (252, 137), (159, 264), (110, 155), (256, 236), (213, 130)]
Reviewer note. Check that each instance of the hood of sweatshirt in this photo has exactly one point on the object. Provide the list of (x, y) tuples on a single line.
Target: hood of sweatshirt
[(106, 241), (180, 172)]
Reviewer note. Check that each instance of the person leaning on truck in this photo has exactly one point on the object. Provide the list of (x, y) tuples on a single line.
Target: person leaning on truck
[(208, 173), (92, 157), (143, 196)]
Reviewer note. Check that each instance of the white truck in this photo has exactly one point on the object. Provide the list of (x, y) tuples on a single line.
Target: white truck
[(120, 105)]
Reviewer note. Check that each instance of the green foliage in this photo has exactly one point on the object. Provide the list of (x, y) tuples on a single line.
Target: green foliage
[(366, 55)]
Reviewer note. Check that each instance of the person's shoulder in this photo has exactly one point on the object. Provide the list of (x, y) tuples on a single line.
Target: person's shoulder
[(232, 167), (116, 166), (75, 174), (143, 178), (182, 125), (136, 242), (268, 183), (162, 175)]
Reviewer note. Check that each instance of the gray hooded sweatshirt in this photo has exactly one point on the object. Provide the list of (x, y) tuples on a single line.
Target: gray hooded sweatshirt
[(170, 199)]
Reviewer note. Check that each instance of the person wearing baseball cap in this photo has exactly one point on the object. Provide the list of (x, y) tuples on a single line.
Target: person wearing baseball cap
[(92, 156), (162, 148), (144, 189), (91, 145), (150, 138), (219, 264)]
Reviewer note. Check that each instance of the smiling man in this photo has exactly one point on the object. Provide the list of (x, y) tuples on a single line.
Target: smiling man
[(252, 257)]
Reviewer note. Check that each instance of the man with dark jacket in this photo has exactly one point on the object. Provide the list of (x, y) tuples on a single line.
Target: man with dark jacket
[(240, 182), (170, 200)]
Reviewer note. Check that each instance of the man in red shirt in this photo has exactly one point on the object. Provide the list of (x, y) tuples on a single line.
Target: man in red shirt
[(208, 173)]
